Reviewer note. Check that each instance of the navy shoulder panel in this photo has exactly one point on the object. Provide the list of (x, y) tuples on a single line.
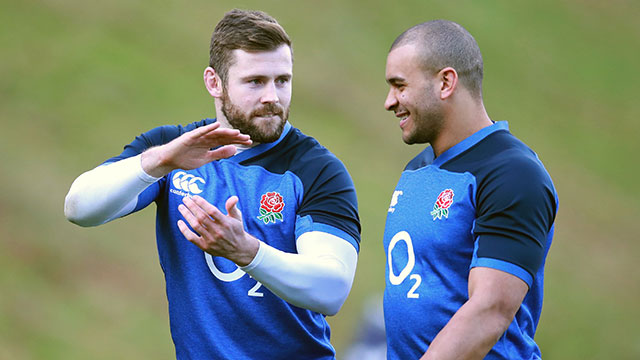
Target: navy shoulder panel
[(155, 137), (329, 193), (424, 158), (516, 201)]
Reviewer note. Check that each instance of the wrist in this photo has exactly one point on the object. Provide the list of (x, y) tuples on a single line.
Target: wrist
[(154, 163), (257, 259), (247, 257)]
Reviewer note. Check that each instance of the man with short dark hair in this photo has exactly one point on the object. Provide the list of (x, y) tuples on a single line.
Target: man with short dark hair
[(471, 219), (259, 276)]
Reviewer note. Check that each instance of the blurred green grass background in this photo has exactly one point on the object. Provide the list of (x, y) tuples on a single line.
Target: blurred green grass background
[(79, 79)]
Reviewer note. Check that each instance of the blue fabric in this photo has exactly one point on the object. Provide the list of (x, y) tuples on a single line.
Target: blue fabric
[(215, 309), (504, 266), (501, 216)]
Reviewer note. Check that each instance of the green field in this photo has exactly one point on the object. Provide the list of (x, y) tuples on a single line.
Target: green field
[(79, 79)]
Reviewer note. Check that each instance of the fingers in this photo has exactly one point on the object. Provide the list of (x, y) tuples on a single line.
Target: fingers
[(214, 135), (199, 212), (232, 209), (225, 136), (216, 233), (216, 131), (230, 205), (190, 235), (228, 137), (194, 215), (199, 220), (202, 205), (223, 152), (218, 139), (202, 208), (203, 130)]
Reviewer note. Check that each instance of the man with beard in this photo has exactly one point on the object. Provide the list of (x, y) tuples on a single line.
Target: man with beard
[(471, 219), (269, 214)]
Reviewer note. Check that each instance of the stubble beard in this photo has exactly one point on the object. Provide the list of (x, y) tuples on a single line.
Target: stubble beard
[(427, 123), (259, 130)]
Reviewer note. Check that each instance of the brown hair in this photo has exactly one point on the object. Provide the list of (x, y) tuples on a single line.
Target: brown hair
[(443, 43), (246, 30)]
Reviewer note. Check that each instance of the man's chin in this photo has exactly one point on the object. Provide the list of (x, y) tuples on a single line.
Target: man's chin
[(408, 138), (271, 134), (412, 139), (265, 138)]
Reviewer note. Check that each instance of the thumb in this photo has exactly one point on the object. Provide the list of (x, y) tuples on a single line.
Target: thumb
[(232, 209)]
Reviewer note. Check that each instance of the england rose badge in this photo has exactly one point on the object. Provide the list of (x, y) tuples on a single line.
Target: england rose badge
[(271, 205), (441, 207)]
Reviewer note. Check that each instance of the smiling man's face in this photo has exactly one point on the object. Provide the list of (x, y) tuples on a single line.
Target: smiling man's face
[(413, 96)]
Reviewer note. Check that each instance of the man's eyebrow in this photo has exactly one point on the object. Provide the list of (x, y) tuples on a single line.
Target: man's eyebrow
[(395, 80), (263, 76), (253, 76)]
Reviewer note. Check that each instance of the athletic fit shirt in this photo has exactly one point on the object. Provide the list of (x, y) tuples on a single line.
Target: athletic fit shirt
[(285, 188), (487, 201)]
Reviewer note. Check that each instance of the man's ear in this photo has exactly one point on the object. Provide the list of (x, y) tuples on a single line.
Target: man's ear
[(212, 82), (448, 80)]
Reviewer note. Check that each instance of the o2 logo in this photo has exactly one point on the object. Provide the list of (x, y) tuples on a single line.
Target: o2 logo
[(408, 268), (231, 276)]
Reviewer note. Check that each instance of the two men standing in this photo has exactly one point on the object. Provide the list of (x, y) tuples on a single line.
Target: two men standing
[(272, 215)]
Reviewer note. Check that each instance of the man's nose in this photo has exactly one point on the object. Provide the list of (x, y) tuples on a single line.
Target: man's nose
[(390, 102), (270, 94)]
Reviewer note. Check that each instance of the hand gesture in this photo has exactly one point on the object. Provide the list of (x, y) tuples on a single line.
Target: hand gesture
[(218, 234), (193, 149)]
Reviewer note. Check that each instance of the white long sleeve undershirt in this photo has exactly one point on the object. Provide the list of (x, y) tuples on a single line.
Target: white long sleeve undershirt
[(318, 277), (106, 192)]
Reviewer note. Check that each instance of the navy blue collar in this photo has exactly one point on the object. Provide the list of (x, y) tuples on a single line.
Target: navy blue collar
[(261, 148), (467, 143)]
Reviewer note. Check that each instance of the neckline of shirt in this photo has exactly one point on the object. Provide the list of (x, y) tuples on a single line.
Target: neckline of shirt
[(467, 143), (243, 153)]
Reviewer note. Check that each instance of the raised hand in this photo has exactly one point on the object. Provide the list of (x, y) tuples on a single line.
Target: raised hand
[(193, 149), (217, 234)]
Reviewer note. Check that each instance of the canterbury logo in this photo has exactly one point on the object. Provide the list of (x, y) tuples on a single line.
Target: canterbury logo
[(394, 200), (187, 182)]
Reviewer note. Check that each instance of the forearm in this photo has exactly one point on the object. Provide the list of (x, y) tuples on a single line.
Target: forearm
[(470, 334), (318, 281), (106, 192), (155, 162), (494, 298)]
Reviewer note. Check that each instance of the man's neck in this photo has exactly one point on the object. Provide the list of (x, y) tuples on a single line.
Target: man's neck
[(460, 124)]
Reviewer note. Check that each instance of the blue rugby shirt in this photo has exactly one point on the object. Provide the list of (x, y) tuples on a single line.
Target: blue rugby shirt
[(216, 310), (501, 216)]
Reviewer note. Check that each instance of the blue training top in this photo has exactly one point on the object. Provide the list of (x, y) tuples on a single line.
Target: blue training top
[(285, 188), (487, 201)]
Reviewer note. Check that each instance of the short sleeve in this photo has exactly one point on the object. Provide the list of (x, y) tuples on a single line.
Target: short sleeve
[(516, 208), (330, 199)]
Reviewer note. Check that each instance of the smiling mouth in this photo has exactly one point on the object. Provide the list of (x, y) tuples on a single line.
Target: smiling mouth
[(403, 118)]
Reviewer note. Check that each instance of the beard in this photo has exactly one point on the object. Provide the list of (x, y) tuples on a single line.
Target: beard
[(427, 122), (259, 129)]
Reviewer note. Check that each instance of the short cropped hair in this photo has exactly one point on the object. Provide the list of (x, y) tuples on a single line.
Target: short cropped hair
[(246, 30), (443, 43)]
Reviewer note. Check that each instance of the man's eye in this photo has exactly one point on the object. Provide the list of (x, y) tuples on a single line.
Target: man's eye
[(282, 81), (255, 81)]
